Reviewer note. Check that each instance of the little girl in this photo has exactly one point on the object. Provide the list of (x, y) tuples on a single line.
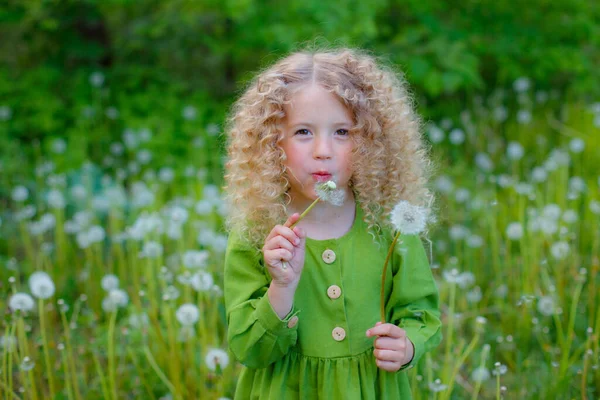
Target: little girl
[(303, 302)]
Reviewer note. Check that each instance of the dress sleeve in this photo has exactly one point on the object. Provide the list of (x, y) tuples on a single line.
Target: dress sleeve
[(414, 301), (256, 334)]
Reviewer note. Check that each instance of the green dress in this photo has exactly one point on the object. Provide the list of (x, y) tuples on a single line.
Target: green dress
[(320, 349)]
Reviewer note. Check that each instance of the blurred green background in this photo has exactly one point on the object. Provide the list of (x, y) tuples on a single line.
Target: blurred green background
[(111, 162)]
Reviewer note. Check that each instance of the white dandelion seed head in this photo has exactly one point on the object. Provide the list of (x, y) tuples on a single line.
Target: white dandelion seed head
[(546, 305), (514, 231), (408, 218), (539, 174), (437, 386), (515, 151), (570, 216), (195, 258), (56, 199), (202, 281), (521, 84), (499, 369), (457, 136), (559, 250), (8, 343), (444, 184), (595, 207), (505, 181), (21, 301), (216, 357), (458, 232), (484, 162), (474, 241), (328, 192), (166, 174), (576, 145), (187, 314), (436, 135), (480, 374), (577, 184), (552, 211), (452, 276), (109, 282), (151, 249), (41, 285), (462, 195), (465, 279), (524, 117), (474, 295)]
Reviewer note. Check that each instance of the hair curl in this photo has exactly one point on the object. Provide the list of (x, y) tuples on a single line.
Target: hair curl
[(390, 159)]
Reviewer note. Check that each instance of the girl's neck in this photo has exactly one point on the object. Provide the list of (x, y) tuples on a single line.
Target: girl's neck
[(325, 221)]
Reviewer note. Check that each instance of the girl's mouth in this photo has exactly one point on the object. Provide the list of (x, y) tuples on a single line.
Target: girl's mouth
[(321, 176)]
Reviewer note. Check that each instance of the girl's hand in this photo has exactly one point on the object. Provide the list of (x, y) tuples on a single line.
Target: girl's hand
[(393, 349), (285, 244)]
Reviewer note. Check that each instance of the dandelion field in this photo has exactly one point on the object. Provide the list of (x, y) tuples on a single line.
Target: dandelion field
[(111, 271)]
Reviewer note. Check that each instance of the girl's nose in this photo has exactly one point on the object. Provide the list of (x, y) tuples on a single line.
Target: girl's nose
[(323, 147)]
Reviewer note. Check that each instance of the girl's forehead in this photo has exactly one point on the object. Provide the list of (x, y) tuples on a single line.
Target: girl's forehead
[(312, 101)]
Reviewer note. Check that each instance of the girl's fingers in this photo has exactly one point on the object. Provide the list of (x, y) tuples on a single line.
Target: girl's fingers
[(388, 365), (285, 232), (277, 255), (291, 220), (390, 330), (387, 355), (279, 242), (387, 343)]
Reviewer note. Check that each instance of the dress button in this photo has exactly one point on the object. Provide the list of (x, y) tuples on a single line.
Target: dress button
[(328, 256), (338, 334), (334, 291), (293, 321)]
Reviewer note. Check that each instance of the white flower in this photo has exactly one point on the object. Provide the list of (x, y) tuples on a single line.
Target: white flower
[(465, 279), (457, 136), (576, 145), (203, 207), (505, 181), (444, 184), (41, 285), (139, 320), (109, 282), (202, 281), (546, 305), (514, 231), (577, 184), (437, 386), (480, 374), (187, 314), (474, 241), (500, 369), (216, 357), (78, 192), (409, 219), (560, 250), (21, 301), (515, 151), (548, 226), (474, 296), (195, 258), (551, 211), (452, 276)]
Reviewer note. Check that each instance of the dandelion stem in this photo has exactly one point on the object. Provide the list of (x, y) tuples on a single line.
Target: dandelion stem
[(105, 391), (158, 371), (305, 212), (45, 344), (111, 356), (383, 275)]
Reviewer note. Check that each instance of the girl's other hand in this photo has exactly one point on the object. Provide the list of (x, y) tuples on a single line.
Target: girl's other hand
[(285, 244), (393, 349)]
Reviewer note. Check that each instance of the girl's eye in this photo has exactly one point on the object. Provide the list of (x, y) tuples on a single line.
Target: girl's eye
[(302, 132), (342, 132)]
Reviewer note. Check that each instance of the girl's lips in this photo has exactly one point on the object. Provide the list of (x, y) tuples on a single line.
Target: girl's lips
[(322, 177)]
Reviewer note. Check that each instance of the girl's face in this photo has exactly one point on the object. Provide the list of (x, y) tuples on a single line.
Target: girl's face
[(316, 141)]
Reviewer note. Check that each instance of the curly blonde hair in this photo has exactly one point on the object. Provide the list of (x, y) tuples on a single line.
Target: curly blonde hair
[(390, 159)]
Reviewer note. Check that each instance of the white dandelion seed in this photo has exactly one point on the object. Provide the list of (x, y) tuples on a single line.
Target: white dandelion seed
[(151, 249), (500, 113), (474, 241), (166, 175), (408, 218), (437, 386), (458, 232), (187, 314), (444, 184), (96, 79), (595, 207), (8, 343), (577, 184), (452, 276), (521, 84), (189, 113), (500, 369), (539, 174), (436, 135), (216, 357), (41, 285), (116, 298), (328, 192), (21, 301), (524, 117), (484, 162), (570, 216)]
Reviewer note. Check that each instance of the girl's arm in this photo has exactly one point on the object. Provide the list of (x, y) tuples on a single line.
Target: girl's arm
[(256, 334), (414, 301)]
